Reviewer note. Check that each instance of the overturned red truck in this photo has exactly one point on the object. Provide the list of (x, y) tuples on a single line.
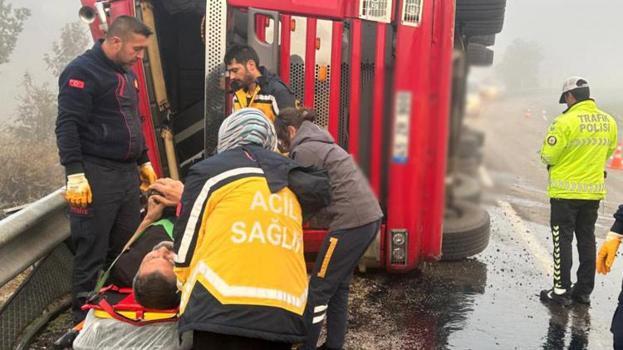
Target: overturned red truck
[(386, 78)]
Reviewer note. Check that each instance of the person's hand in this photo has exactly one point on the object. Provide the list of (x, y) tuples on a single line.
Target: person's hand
[(169, 191), (607, 252), (154, 209), (147, 175), (78, 191)]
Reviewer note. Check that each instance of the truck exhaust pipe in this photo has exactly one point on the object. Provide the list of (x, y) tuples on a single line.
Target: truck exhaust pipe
[(87, 14)]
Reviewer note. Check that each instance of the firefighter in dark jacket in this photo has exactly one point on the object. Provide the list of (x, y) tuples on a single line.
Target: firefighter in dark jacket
[(101, 146), (254, 85), (239, 241), (355, 219), (605, 259)]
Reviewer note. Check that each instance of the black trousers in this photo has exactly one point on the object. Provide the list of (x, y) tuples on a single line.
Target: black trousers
[(209, 340), (617, 324), (99, 232), (569, 216), (330, 281)]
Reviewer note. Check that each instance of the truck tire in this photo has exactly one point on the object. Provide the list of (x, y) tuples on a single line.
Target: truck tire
[(479, 10), (484, 27), (469, 14), (479, 55), (469, 145), (466, 230), (469, 165), (466, 188), (486, 40), (477, 134)]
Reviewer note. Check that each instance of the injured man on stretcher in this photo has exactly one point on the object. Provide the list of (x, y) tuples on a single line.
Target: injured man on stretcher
[(138, 307)]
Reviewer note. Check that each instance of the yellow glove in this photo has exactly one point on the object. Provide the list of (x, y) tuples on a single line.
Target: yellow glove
[(148, 176), (78, 192), (607, 252)]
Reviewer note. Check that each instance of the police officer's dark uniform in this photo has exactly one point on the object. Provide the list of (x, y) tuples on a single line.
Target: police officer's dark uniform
[(99, 134)]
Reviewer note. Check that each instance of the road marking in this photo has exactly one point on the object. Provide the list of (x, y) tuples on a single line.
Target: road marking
[(484, 177), (543, 257)]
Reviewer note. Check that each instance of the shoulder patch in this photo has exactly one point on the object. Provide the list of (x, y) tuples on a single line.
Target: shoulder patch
[(551, 140), (75, 83)]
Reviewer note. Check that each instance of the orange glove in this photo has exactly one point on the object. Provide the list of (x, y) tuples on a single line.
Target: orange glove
[(78, 191), (607, 252), (147, 175)]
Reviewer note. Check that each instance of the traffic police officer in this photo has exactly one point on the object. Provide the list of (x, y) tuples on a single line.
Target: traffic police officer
[(575, 150), (101, 144)]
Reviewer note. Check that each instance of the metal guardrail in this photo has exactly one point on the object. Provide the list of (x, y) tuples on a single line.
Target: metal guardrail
[(31, 234)]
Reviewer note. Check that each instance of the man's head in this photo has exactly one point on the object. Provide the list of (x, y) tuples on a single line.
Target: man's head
[(247, 126), (243, 65), (155, 283), (126, 40), (574, 90)]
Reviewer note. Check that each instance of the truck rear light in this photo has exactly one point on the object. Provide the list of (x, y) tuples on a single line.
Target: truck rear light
[(398, 247), (412, 12)]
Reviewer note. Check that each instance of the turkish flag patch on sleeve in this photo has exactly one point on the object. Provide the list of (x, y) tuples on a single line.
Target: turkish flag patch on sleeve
[(75, 83)]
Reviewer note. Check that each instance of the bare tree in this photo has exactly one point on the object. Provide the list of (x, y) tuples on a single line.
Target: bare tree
[(72, 43), (11, 25), (36, 112)]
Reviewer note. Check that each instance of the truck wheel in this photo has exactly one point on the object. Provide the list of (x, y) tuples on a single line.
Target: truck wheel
[(479, 55), (465, 231), (466, 188), (487, 27), (477, 134), (469, 165), (486, 40), (468, 146)]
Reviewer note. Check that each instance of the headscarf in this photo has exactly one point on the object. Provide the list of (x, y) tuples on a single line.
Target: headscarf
[(247, 126)]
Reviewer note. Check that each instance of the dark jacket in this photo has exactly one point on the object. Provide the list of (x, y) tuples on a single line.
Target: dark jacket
[(123, 272), (98, 112), (618, 223), (271, 95), (353, 203), (240, 257)]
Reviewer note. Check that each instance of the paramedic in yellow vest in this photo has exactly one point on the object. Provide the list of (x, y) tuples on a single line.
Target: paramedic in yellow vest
[(254, 86), (575, 150), (239, 242)]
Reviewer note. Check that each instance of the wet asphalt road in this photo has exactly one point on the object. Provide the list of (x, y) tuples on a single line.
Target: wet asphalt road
[(491, 301)]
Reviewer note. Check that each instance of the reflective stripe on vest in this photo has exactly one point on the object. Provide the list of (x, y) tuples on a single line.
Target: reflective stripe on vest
[(589, 142), (577, 187), (294, 303)]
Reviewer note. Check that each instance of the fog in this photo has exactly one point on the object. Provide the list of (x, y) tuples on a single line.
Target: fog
[(41, 29), (577, 37)]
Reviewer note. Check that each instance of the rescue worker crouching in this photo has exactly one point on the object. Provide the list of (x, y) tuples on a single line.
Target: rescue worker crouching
[(355, 219), (239, 242), (254, 85), (575, 150)]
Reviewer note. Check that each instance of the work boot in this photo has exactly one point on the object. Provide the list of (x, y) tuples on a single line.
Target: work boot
[(580, 298), (549, 297)]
